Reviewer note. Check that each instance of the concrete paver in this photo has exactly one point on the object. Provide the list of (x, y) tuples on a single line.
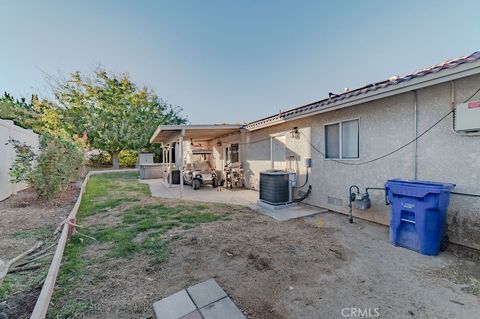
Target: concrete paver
[(222, 309), (193, 315), (206, 293), (211, 302), (174, 306)]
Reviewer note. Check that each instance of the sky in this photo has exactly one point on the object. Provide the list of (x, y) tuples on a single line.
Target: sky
[(231, 61)]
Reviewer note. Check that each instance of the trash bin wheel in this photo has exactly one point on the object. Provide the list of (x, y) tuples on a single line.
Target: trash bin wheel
[(444, 243)]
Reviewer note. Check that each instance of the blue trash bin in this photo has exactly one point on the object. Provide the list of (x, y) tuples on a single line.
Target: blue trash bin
[(418, 214)]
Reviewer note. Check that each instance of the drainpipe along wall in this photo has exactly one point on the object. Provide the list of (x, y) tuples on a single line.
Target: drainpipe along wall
[(415, 134)]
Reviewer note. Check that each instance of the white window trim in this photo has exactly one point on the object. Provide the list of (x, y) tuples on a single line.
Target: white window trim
[(341, 141)]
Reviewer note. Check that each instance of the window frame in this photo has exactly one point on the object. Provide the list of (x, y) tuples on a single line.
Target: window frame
[(227, 146), (340, 144)]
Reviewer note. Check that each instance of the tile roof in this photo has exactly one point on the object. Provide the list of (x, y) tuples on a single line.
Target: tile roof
[(333, 98)]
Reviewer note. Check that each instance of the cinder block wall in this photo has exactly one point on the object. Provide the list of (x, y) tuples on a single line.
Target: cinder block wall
[(386, 124)]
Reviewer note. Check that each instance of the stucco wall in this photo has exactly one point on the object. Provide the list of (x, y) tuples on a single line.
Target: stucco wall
[(386, 124), (7, 154)]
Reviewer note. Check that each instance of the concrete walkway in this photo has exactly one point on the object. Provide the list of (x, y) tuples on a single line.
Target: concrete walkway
[(236, 196), (206, 300)]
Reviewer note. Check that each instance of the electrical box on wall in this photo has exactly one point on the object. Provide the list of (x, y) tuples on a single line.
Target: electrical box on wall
[(467, 117)]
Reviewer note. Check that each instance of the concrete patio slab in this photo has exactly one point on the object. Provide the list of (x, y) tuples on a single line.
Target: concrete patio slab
[(222, 309), (296, 210), (175, 306), (236, 196), (206, 293)]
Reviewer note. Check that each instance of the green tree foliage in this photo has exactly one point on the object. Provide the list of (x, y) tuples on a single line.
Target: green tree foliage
[(50, 169), (19, 111), (42, 116), (115, 113)]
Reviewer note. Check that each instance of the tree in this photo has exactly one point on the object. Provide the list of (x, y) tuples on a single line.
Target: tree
[(19, 111), (42, 116), (115, 113)]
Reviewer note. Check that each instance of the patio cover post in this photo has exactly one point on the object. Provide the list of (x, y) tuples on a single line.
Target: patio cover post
[(169, 165), (181, 149), (163, 159)]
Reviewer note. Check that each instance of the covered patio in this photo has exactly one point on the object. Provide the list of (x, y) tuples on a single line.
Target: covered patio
[(175, 138), (187, 137), (236, 196)]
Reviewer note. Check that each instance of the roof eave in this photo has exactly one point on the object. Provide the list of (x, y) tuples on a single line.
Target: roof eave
[(460, 71)]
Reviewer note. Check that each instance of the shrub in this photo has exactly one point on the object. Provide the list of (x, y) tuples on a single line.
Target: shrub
[(128, 158), (99, 158), (48, 172)]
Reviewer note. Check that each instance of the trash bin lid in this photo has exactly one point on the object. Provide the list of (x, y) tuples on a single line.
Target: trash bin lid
[(422, 187)]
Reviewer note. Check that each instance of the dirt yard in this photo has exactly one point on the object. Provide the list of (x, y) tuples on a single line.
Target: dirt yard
[(24, 220), (318, 267)]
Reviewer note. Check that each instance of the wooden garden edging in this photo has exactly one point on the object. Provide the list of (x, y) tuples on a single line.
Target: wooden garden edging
[(43, 301)]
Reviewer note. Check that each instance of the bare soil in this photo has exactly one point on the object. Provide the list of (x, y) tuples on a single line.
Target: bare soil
[(24, 211), (24, 220), (256, 259), (306, 268)]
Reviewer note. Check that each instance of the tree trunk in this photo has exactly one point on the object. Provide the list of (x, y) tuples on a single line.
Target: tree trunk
[(115, 161)]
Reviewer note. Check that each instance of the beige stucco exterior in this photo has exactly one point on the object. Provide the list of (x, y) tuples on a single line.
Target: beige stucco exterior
[(384, 125)]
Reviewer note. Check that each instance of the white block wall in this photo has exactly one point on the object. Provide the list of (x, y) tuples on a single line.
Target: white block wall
[(8, 131)]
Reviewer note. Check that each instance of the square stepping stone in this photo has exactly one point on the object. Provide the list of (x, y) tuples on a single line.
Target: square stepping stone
[(175, 306), (222, 309), (206, 293)]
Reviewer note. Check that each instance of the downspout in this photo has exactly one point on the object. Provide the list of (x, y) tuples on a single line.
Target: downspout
[(415, 133)]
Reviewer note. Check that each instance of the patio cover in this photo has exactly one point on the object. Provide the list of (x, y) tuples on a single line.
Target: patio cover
[(170, 133)]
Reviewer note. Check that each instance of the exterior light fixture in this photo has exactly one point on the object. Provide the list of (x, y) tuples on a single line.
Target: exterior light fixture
[(294, 133)]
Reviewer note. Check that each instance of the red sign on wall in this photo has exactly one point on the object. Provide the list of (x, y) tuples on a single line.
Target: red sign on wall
[(474, 105)]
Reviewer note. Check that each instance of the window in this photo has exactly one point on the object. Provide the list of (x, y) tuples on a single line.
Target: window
[(231, 153), (234, 153), (342, 140)]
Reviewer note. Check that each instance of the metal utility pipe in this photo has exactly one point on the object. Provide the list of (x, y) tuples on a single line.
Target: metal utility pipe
[(351, 198), (415, 130), (379, 189)]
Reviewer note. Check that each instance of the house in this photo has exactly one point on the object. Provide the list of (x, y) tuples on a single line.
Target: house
[(365, 137)]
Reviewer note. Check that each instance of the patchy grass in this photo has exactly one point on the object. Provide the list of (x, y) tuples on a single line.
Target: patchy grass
[(39, 233), (141, 228), (27, 280), (154, 220), (107, 191), (18, 282)]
